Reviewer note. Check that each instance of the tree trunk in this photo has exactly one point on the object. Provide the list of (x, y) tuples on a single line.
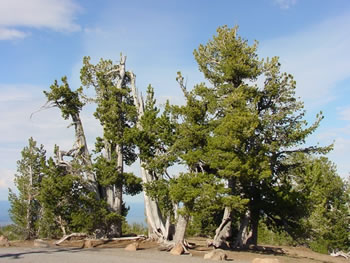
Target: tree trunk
[(118, 201), (244, 233), (254, 227), (29, 220), (83, 151), (158, 228), (114, 193), (223, 232), (180, 229), (61, 224)]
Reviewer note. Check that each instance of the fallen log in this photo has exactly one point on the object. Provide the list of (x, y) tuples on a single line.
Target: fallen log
[(64, 238), (83, 235), (128, 238), (340, 254)]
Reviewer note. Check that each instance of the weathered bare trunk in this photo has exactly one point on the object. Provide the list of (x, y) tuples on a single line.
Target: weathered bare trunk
[(244, 232), (118, 201), (158, 227), (83, 151), (114, 194), (61, 224), (223, 232), (180, 229)]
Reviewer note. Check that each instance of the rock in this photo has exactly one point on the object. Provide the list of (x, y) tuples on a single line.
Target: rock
[(265, 260), (4, 242), (41, 243), (216, 254), (177, 250), (132, 247), (88, 244)]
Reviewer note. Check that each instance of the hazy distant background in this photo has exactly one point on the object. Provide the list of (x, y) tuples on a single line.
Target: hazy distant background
[(136, 213)]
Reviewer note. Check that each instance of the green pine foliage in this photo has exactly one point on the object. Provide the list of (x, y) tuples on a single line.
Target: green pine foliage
[(327, 197), (256, 127), (64, 98), (25, 206), (240, 138), (66, 202)]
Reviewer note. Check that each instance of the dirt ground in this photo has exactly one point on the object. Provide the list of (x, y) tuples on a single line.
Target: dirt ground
[(283, 253)]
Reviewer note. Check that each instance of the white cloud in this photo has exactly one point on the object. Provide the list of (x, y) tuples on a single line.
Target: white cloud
[(7, 34), (340, 137), (7, 177), (58, 15), (318, 57), (344, 114), (285, 4)]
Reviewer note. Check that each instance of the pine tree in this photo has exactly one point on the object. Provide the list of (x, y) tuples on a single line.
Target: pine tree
[(118, 116), (154, 140), (326, 223), (256, 129), (70, 105), (25, 207), (68, 204), (102, 182)]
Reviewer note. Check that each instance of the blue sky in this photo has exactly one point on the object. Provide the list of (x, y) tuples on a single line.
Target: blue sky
[(42, 40)]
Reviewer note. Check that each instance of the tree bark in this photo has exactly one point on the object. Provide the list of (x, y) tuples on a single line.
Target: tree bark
[(224, 230), (244, 233), (114, 194), (83, 152), (158, 228), (180, 229), (118, 201)]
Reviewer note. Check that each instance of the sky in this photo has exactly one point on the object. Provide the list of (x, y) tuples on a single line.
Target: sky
[(43, 40)]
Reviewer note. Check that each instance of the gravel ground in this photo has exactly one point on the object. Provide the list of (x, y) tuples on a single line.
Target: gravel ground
[(94, 255)]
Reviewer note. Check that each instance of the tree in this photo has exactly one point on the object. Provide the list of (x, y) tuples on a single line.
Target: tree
[(256, 129), (70, 105), (102, 182), (155, 137), (326, 222), (69, 205), (117, 114), (25, 207)]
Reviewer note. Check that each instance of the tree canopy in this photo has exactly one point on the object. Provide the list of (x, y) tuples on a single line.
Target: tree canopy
[(239, 138)]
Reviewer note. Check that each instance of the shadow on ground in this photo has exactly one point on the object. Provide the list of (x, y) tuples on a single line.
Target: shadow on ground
[(51, 251)]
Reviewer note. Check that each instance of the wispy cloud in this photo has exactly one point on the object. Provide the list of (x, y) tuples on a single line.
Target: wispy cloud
[(317, 56), (344, 113), (285, 4), (58, 15), (6, 181), (7, 34)]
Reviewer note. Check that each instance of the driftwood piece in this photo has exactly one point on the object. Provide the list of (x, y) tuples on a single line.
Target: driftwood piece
[(140, 237), (340, 254), (83, 235), (64, 238)]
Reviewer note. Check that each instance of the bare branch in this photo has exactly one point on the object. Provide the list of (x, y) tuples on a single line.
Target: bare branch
[(47, 105)]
